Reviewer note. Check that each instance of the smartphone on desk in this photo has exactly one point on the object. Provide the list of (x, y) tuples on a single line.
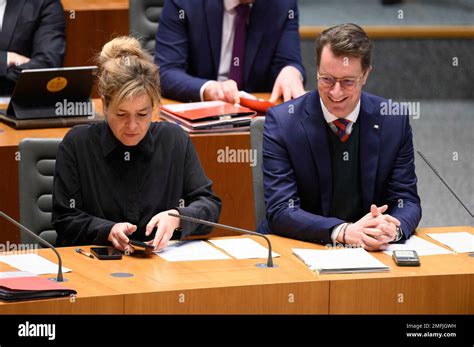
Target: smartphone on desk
[(106, 253)]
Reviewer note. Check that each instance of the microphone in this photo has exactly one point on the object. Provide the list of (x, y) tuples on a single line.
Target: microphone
[(471, 254), (59, 278), (242, 231), (445, 183)]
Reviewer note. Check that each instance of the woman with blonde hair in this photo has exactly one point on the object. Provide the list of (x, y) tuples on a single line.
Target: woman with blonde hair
[(118, 180)]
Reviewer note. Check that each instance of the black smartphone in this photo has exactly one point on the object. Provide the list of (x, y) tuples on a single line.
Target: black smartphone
[(141, 245), (406, 258), (106, 253)]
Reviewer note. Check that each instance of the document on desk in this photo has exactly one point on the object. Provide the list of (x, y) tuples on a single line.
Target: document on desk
[(460, 242), (5, 100), (337, 261), (243, 248), (191, 250), (421, 246), (32, 263), (15, 274)]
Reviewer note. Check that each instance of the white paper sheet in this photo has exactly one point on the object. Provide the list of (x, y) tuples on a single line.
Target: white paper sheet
[(421, 246), (191, 250), (346, 260), (14, 274), (460, 242), (4, 99), (243, 248), (32, 263)]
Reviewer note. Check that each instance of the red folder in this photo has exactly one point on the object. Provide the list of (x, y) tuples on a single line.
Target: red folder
[(207, 111), (29, 288)]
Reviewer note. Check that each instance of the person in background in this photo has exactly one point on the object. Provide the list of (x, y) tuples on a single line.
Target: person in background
[(31, 37), (209, 50), (118, 180)]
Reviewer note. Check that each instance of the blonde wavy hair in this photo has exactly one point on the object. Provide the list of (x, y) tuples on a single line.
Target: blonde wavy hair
[(126, 71)]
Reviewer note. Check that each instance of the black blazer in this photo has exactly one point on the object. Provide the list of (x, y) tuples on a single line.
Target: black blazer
[(34, 29)]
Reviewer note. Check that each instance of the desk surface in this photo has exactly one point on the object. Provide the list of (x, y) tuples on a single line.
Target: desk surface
[(442, 284)]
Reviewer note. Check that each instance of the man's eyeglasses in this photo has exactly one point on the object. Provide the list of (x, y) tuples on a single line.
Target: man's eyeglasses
[(345, 82)]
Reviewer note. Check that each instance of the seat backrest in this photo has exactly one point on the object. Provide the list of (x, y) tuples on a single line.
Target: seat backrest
[(256, 136), (143, 18), (36, 169)]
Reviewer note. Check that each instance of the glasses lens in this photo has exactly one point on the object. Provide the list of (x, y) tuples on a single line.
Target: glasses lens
[(327, 80), (348, 83)]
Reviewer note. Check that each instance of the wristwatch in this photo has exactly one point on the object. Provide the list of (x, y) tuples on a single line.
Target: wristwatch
[(399, 234)]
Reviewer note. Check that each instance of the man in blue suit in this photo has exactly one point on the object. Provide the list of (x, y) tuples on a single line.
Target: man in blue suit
[(332, 156), (211, 49)]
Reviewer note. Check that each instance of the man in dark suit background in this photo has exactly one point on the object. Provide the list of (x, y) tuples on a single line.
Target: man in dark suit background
[(332, 156), (31, 37), (210, 49)]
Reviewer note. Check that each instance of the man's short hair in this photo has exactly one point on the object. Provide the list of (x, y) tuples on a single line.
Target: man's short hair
[(346, 40)]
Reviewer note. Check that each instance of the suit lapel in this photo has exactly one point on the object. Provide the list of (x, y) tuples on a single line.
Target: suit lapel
[(10, 18), (314, 125), (370, 128), (254, 34), (214, 11)]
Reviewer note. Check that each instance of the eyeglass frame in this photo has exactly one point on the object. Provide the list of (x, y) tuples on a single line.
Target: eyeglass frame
[(356, 81)]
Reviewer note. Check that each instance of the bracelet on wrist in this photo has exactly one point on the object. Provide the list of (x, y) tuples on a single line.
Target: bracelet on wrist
[(344, 233)]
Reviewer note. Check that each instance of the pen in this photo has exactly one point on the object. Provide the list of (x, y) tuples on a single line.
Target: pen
[(80, 251)]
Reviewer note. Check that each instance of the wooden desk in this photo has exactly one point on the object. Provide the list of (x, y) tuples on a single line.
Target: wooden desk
[(198, 287), (232, 181), (443, 284), (92, 297)]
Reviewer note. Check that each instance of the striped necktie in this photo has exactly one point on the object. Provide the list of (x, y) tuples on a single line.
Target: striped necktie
[(341, 125)]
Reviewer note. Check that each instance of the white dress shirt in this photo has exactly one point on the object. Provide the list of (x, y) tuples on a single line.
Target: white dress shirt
[(3, 4), (227, 42)]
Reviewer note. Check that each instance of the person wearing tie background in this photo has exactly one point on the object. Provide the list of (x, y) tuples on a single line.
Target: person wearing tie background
[(209, 50), (336, 169), (31, 37)]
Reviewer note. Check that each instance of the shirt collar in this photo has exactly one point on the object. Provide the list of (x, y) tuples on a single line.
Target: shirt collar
[(110, 143), (329, 117), (230, 5)]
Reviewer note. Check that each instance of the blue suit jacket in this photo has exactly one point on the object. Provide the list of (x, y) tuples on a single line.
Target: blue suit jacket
[(297, 168), (188, 45)]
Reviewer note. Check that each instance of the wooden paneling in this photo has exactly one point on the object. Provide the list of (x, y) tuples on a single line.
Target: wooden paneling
[(402, 32), (403, 295), (9, 200), (294, 298)]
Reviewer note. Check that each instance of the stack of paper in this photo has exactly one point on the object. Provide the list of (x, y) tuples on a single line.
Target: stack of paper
[(347, 260), (461, 242), (243, 248), (191, 250), (32, 263), (415, 243), (208, 116)]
